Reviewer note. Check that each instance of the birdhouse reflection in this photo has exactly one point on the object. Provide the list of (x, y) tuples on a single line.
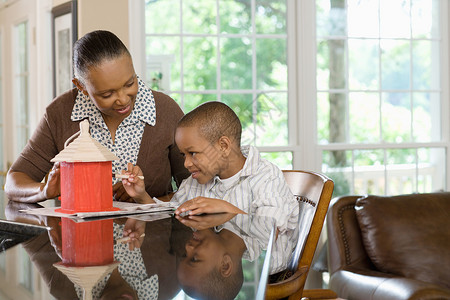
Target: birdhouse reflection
[(87, 252), (87, 243)]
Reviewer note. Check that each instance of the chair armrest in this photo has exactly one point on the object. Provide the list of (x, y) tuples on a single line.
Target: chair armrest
[(322, 294), (289, 286), (345, 246), (368, 284)]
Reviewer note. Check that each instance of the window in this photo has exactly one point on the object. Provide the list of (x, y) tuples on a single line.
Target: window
[(231, 51), (379, 95), (354, 92)]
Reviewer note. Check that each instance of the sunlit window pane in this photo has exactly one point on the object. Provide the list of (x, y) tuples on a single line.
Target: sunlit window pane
[(363, 12), (235, 17), (395, 19), (423, 67), (395, 64), (271, 125), (323, 118), (191, 101), (162, 16), (424, 18), (163, 56), (199, 18), (200, 54), (369, 168), (323, 68), (282, 159), (363, 64), (331, 18), (401, 171), (396, 117), (364, 117), (431, 171), (236, 63), (243, 106), (338, 166), (270, 16), (271, 64), (426, 126)]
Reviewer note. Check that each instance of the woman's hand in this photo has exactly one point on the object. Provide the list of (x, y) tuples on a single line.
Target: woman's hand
[(203, 205), (54, 234), (52, 187), (120, 194)]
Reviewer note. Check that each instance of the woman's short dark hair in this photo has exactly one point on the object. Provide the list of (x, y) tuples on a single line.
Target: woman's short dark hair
[(93, 48)]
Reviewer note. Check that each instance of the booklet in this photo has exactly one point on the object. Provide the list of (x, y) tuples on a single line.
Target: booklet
[(125, 208)]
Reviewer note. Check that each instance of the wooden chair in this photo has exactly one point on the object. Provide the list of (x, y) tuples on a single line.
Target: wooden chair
[(313, 192)]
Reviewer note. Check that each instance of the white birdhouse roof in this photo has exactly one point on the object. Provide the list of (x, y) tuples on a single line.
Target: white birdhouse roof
[(84, 148)]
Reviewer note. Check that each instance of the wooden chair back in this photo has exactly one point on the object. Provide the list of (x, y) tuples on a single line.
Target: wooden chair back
[(313, 192)]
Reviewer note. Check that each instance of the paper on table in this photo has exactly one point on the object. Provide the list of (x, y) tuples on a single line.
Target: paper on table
[(136, 207), (125, 208)]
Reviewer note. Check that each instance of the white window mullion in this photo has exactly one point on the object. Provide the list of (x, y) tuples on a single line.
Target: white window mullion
[(444, 10), (293, 92), (136, 18), (181, 53), (219, 56), (309, 157), (253, 46)]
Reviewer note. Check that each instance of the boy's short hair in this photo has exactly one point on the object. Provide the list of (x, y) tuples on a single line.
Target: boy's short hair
[(215, 286), (214, 119)]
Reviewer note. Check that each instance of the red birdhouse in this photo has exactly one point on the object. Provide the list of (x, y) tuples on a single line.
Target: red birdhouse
[(85, 174)]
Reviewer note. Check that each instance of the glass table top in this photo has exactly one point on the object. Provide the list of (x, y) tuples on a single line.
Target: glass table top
[(43, 257)]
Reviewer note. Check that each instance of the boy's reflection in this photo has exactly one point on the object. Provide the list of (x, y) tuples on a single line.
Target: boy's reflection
[(212, 266)]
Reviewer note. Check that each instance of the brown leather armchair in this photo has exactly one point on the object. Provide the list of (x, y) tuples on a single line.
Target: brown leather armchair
[(394, 247)]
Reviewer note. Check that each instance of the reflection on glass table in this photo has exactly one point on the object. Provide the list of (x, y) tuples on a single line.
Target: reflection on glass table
[(162, 258)]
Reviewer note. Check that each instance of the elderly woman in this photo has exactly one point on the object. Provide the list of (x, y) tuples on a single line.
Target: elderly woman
[(135, 123)]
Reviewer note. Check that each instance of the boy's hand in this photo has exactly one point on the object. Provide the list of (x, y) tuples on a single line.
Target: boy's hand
[(203, 205), (135, 231), (135, 186), (205, 221)]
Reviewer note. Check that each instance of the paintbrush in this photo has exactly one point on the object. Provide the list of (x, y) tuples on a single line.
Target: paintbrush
[(126, 176), (125, 239)]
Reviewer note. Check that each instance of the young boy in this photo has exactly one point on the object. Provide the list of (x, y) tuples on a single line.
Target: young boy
[(224, 176)]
